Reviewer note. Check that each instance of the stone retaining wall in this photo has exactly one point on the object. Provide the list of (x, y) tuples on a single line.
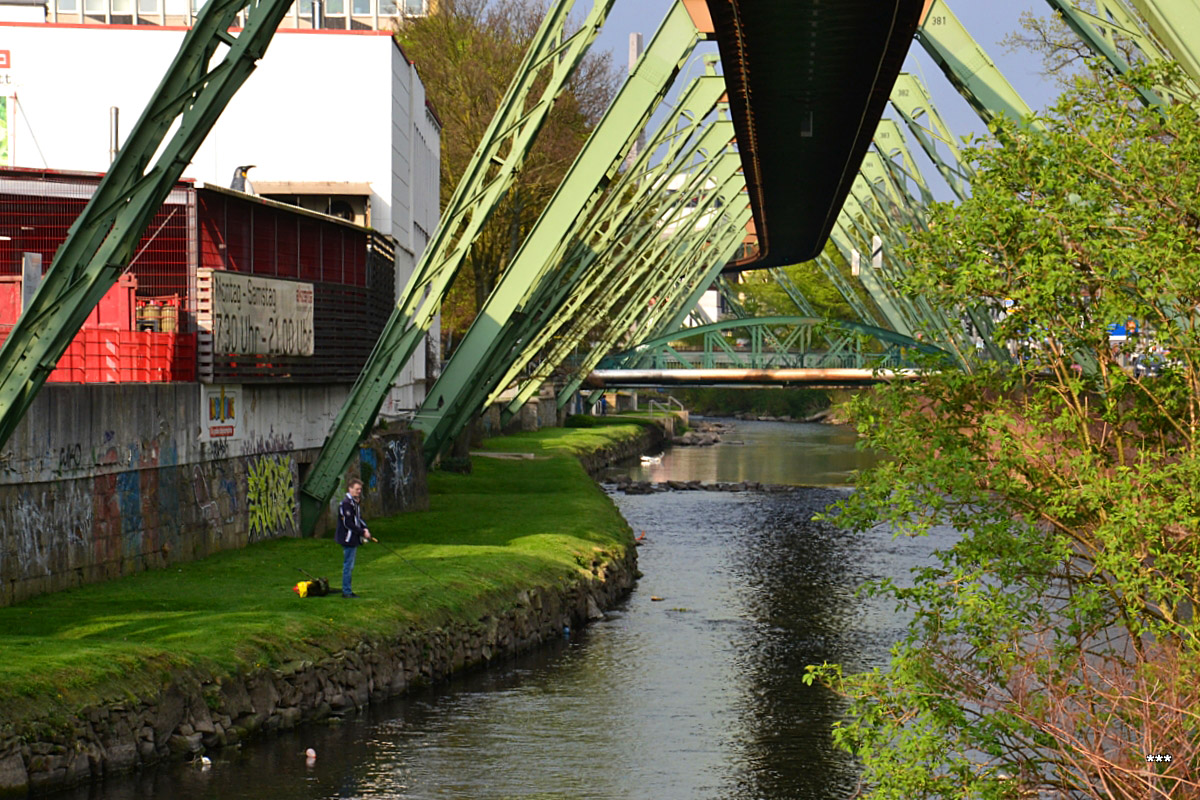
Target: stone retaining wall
[(649, 440), (197, 713)]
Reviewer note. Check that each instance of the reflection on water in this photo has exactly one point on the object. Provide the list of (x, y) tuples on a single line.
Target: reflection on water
[(694, 696), (790, 453)]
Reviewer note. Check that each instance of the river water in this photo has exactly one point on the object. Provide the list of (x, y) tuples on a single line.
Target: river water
[(690, 689)]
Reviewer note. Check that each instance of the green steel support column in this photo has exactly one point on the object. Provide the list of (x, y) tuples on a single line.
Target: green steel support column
[(852, 223), (548, 64), (672, 260), (675, 321), (642, 282), (883, 193), (834, 275), (634, 220), (1115, 17), (890, 142), (917, 309), (562, 304), (596, 291), (883, 301), (102, 240), (673, 288), (967, 66), (1175, 23), (730, 297), (585, 182), (912, 102), (586, 266), (915, 102), (1085, 29), (869, 220), (725, 247)]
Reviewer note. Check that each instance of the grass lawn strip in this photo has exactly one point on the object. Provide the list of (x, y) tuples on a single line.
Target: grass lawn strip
[(510, 525)]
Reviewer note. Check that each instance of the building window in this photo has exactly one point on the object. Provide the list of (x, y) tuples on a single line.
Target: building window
[(96, 7), (147, 6), (414, 8), (67, 7), (360, 8), (122, 6), (388, 8), (335, 8)]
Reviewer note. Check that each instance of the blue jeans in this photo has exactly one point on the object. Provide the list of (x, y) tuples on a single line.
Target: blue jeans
[(347, 567)]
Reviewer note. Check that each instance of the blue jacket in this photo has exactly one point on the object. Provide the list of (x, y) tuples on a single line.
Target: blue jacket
[(350, 525)]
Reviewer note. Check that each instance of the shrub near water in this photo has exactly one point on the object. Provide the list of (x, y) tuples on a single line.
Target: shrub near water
[(1054, 650)]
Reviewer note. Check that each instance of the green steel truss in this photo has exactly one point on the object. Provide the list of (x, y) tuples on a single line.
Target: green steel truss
[(711, 280), (632, 209), (912, 102), (645, 277), (1175, 23), (531, 281), (774, 343), (102, 240), (671, 290), (967, 66), (541, 77), (626, 260)]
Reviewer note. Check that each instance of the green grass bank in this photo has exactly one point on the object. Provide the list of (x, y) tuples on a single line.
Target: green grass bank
[(167, 663)]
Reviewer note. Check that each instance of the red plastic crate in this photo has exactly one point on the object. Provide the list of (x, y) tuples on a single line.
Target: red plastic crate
[(98, 343), (115, 311), (100, 374)]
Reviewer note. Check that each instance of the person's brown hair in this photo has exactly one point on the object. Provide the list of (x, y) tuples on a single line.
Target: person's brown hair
[(350, 484)]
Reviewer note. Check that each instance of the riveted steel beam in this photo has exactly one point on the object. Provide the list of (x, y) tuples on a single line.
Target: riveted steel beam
[(643, 270), (968, 67), (608, 263)]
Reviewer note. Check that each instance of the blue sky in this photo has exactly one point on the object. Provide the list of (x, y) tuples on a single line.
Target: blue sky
[(989, 21)]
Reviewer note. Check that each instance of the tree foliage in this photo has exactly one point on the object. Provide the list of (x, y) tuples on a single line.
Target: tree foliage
[(466, 53), (1064, 55), (1054, 646), (764, 297)]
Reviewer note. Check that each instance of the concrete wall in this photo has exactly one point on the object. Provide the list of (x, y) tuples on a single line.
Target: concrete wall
[(100, 481)]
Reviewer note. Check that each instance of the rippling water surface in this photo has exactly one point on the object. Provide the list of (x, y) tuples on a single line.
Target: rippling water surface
[(694, 695)]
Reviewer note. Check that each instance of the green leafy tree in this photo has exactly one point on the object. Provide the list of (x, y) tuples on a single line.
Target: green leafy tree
[(466, 53), (1054, 646)]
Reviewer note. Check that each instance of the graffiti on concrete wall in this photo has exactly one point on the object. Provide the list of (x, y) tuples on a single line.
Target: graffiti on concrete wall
[(397, 458), (369, 465), (272, 442), (41, 525), (271, 496)]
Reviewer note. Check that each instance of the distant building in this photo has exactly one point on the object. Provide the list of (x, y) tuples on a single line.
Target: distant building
[(355, 15), (334, 121)]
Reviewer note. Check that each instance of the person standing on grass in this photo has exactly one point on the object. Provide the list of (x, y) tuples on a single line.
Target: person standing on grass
[(351, 531)]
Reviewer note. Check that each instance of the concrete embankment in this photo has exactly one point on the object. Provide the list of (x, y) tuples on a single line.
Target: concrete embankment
[(482, 602)]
